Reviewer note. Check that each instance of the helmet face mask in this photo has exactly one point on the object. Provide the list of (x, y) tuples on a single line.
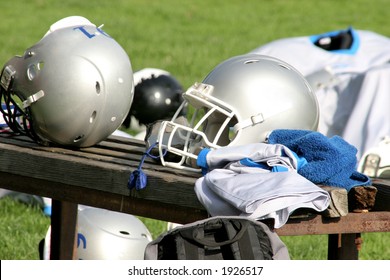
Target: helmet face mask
[(240, 102), (375, 162), (15, 111), (75, 84)]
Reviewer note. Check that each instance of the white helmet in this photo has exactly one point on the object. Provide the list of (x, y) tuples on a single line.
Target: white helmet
[(240, 102), (74, 87), (106, 235)]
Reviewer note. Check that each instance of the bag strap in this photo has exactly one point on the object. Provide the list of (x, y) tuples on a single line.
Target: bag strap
[(246, 245), (198, 234), (186, 250)]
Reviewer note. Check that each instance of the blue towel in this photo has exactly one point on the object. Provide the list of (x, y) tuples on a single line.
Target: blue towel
[(330, 161)]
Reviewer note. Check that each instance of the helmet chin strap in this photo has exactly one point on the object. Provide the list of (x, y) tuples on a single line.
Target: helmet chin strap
[(261, 117), (33, 98)]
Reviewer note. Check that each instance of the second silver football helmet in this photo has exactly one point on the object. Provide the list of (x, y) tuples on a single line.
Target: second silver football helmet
[(104, 234), (240, 102), (74, 87)]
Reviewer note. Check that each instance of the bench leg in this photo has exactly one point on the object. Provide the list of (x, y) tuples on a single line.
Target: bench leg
[(344, 246), (63, 230)]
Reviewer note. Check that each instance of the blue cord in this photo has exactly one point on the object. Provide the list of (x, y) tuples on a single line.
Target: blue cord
[(138, 179)]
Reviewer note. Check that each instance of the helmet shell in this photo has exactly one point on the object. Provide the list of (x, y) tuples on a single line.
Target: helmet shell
[(106, 235), (87, 81), (241, 101), (256, 85), (110, 235), (157, 96)]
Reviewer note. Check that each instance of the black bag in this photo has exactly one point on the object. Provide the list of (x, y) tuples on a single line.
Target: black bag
[(218, 238)]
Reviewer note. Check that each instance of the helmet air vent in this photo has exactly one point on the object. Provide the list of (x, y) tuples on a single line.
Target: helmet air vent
[(93, 117), (251, 61), (284, 66), (97, 86), (78, 138)]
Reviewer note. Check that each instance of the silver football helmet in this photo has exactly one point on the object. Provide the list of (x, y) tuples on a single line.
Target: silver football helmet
[(240, 102), (109, 235), (106, 235), (74, 87)]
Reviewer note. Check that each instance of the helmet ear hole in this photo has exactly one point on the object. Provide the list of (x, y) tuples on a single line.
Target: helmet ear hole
[(78, 138), (93, 117), (97, 86)]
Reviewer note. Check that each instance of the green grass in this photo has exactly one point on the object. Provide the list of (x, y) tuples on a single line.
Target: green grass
[(187, 38), (22, 227)]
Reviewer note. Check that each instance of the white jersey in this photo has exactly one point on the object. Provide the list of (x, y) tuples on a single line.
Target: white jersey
[(350, 73)]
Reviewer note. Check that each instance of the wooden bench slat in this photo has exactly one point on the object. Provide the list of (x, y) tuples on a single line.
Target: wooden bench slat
[(98, 176)]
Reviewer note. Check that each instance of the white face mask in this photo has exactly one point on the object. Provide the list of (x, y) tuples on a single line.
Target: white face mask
[(376, 161), (179, 141), (169, 141)]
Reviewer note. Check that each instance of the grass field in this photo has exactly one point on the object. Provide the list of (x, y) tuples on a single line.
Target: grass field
[(187, 38)]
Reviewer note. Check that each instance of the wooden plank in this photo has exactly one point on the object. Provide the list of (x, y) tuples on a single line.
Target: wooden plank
[(132, 204), (352, 223), (316, 224), (90, 173), (117, 150), (98, 176)]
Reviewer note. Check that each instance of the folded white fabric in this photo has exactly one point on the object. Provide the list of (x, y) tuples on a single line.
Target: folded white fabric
[(242, 185)]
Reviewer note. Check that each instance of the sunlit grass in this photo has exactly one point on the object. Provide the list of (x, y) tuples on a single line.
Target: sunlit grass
[(187, 38)]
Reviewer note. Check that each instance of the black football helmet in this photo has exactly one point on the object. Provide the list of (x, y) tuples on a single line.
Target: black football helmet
[(157, 96)]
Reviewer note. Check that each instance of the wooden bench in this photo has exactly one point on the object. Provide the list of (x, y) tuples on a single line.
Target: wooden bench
[(97, 176)]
